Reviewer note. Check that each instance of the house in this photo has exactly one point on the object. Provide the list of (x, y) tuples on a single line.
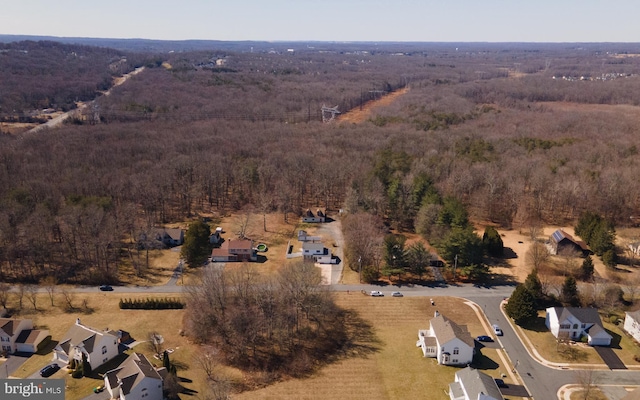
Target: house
[(98, 346), (309, 217), (575, 322), (234, 250), (448, 342), (171, 237), (471, 384), (316, 252), (135, 379), (304, 237), (216, 236), (18, 335), (632, 324), (560, 241)]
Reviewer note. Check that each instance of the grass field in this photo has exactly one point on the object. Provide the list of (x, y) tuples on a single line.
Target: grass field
[(395, 368)]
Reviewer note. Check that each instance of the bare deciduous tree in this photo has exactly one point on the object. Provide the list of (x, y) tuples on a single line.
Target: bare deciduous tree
[(50, 285)]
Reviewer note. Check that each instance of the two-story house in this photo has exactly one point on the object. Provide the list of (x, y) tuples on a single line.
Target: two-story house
[(98, 346), (448, 342), (135, 379), (18, 335), (235, 250), (572, 323)]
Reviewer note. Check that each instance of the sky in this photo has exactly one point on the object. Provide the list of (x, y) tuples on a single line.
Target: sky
[(328, 20)]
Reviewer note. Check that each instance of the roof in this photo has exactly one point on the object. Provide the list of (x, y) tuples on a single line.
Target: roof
[(9, 325), (446, 330), (131, 372), (238, 244), (308, 213), (79, 333), (559, 235), (312, 245), (28, 336), (476, 382), (587, 315)]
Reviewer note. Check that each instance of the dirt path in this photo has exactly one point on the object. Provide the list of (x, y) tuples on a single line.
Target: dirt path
[(358, 115)]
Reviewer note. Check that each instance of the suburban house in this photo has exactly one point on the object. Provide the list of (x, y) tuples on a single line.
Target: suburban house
[(632, 324), (234, 250), (171, 237), (216, 236), (309, 217), (18, 335), (448, 342), (98, 346), (136, 378), (304, 237), (316, 252), (471, 384), (575, 322), (560, 241)]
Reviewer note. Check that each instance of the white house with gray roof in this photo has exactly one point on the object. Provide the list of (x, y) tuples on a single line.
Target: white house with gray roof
[(632, 324), (18, 335), (446, 341), (574, 322), (135, 379), (99, 346), (471, 384)]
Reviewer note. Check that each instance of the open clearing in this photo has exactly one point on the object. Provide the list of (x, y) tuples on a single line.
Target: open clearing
[(361, 114), (396, 369)]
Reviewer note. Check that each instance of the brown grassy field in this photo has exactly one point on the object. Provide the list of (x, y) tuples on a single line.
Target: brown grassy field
[(395, 369)]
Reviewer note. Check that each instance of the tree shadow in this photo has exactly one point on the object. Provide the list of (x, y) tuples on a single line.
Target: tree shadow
[(482, 362), (509, 254), (46, 346), (535, 325)]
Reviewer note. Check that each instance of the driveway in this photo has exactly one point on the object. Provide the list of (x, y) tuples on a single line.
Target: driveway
[(12, 363), (609, 357)]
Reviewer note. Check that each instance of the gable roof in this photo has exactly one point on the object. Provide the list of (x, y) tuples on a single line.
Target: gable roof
[(79, 333), (131, 372), (586, 315), (446, 330), (28, 336), (476, 382), (559, 235), (9, 325)]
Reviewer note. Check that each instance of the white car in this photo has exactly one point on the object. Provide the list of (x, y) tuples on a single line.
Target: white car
[(396, 294), (497, 330), (377, 293)]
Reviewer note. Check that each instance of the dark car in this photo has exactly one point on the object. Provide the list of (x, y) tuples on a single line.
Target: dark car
[(501, 383), (106, 288), (49, 370), (484, 338)]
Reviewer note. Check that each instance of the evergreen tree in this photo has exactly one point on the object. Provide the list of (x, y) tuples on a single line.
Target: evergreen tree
[(418, 258), (534, 286), (521, 306), (569, 294), (464, 246), (587, 269), (86, 367), (394, 254), (609, 258), (196, 249), (492, 242)]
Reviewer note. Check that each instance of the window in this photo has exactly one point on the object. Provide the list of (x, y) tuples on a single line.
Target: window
[(583, 326), (455, 361), (104, 360), (104, 349), (575, 326), (565, 326), (456, 350)]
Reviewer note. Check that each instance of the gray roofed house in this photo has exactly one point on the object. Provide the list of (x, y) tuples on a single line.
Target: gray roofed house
[(574, 322), (471, 384), (18, 335), (99, 346), (448, 342), (135, 378)]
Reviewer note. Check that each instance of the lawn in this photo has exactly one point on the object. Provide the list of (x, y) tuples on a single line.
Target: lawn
[(103, 313), (395, 369)]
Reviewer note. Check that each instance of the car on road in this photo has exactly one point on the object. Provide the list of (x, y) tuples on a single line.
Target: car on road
[(501, 383), (484, 338), (397, 294), (377, 293), (49, 370), (497, 330), (106, 288)]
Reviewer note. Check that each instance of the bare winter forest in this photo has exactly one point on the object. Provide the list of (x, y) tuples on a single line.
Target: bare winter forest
[(519, 133)]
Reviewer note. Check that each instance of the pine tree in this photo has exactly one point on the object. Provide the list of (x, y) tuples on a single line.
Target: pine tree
[(521, 306), (86, 367), (569, 294), (533, 285), (195, 248), (587, 269), (492, 242)]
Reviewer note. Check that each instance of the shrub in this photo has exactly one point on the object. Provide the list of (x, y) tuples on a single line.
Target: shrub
[(151, 304)]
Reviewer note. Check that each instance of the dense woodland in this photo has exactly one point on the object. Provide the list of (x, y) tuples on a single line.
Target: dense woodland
[(518, 134)]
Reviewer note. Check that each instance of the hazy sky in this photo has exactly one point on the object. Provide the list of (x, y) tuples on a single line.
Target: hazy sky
[(329, 20)]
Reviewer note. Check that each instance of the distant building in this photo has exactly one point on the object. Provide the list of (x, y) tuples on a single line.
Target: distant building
[(560, 241), (446, 341), (471, 384), (311, 218), (235, 250)]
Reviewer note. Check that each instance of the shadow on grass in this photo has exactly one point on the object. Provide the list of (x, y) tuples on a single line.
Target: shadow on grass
[(615, 339), (535, 325), (46, 346)]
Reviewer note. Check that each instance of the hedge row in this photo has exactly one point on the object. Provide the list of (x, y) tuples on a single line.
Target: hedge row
[(151, 304)]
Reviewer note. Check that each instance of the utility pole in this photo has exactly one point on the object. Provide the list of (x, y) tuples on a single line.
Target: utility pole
[(360, 269), (455, 266)]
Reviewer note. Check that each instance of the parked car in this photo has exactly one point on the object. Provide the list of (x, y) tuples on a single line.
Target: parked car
[(106, 288), (397, 294), (497, 330), (501, 383), (484, 338), (377, 293), (49, 370)]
